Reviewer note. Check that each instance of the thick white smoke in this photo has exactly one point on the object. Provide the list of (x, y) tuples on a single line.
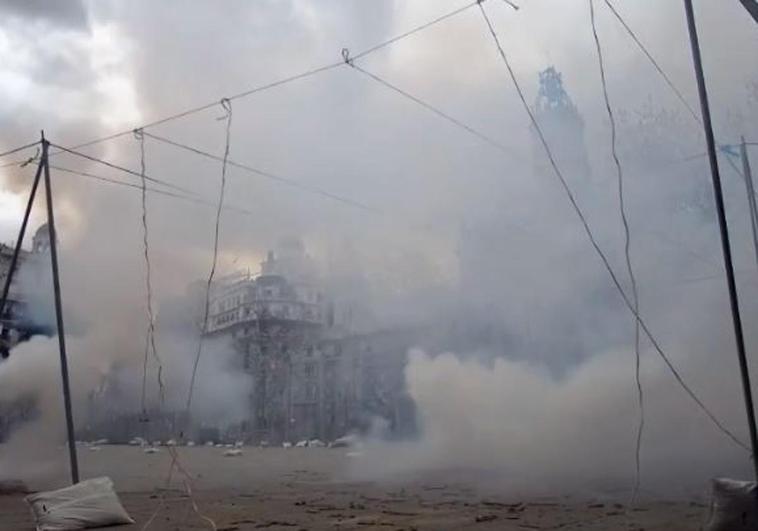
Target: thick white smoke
[(517, 427)]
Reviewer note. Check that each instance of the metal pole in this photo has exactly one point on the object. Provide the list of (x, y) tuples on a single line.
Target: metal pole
[(750, 195), (59, 317), (752, 8), (725, 246), (20, 240)]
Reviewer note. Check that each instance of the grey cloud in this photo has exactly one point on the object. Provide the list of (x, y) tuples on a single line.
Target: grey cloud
[(71, 14)]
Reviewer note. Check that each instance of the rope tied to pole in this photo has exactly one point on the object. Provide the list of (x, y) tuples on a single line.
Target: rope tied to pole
[(150, 347), (226, 104)]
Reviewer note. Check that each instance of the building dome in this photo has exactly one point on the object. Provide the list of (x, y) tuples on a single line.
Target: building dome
[(41, 239)]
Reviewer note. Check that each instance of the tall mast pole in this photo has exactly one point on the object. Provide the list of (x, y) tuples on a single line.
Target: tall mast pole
[(19, 241), (748, 174), (724, 230), (59, 316)]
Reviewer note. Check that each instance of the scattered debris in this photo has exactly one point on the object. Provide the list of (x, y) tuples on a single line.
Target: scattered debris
[(151, 450), (398, 513), (485, 518), (233, 452)]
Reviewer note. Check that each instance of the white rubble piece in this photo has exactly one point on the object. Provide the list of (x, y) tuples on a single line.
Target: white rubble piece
[(301, 444), (348, 441), (151, 450), (734, 506), (286, 444), (234, 452), (316, 443), (90, 503)]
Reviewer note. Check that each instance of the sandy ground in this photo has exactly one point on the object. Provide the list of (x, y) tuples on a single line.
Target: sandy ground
[(313, 489)]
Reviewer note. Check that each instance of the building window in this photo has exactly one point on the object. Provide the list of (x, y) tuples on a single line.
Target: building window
[(310, 392)]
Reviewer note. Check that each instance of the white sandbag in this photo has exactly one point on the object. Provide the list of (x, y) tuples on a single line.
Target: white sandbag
[(90, 503), (734, 506)]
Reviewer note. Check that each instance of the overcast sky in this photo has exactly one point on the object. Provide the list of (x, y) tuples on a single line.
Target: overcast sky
[(83, 70)]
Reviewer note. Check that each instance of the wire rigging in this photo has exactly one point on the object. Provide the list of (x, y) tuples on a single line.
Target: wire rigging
[(150, 332), (20, 148), (125, 170), (596, 246), (414, 30), (442, 114), (272, 176), (226, 104), (270, 85), (188, 198), (627, 254), (655, 63)]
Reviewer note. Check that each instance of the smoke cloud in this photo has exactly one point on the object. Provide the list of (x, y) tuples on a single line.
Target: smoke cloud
[(544, 389)]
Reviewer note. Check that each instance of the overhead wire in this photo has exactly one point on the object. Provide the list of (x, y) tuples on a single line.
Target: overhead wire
[(268, 175), (261, 88), (600, 253), (414, 30), (174, 195), (200, 108), (20, 148), (442, 114), (123, 169), (192, 196), (653, 61), (627, 254)]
